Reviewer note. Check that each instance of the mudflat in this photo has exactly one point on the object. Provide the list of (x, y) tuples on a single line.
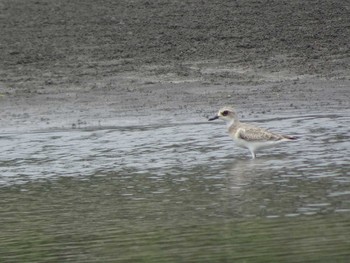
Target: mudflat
[(84, 63)]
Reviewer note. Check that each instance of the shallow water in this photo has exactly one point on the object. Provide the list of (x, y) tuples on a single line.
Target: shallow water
[(176, 193)]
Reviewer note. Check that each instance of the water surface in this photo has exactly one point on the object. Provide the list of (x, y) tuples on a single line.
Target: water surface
[(177, 192)]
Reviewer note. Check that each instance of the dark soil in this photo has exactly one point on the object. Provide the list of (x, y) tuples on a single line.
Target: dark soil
[(96, 60)]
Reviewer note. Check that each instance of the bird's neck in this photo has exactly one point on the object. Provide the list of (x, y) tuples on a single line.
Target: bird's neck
[(232, 122)]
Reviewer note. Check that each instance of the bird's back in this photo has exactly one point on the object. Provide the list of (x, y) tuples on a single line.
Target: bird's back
[(253, 133)]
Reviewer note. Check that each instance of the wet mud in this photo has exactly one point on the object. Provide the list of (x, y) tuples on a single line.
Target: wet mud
[(72, 64)]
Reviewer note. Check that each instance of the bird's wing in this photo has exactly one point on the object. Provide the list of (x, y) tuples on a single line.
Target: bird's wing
[(256, 134)]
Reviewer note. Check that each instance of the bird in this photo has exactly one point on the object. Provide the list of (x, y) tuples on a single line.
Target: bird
[(249, 136)]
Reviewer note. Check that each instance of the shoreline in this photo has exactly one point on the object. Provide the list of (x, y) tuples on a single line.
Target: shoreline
[(64, 63)]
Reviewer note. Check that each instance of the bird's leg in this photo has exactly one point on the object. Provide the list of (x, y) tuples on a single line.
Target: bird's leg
[(253, 154)]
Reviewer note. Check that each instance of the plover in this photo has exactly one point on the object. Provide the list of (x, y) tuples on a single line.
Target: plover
[(249, 136)]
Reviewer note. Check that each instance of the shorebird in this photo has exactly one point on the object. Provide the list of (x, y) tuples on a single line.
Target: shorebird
[(249, 136)]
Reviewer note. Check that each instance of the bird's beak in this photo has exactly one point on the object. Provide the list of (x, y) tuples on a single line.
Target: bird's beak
[(213, 118)]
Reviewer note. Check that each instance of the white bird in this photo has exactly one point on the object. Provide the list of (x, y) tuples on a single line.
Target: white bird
[(249, 136)]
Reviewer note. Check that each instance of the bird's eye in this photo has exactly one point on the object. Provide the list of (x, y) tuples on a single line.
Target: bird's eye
[(224, 113)]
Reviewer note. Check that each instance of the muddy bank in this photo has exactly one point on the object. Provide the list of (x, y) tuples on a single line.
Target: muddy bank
[(70, 64)]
